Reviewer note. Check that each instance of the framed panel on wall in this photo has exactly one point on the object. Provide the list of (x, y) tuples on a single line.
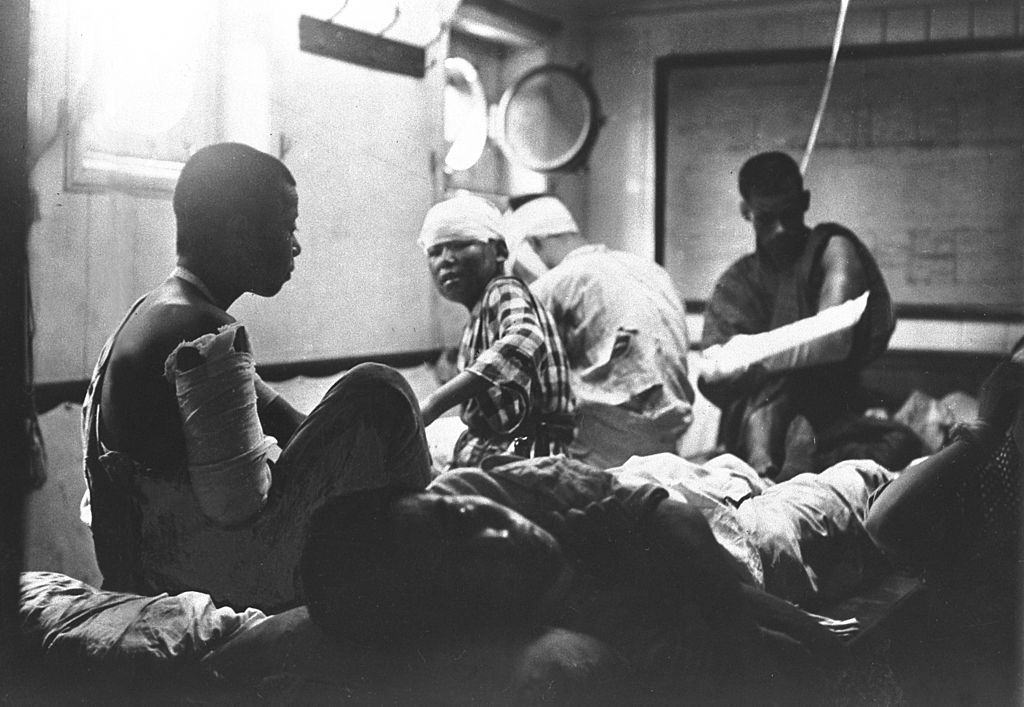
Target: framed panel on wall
[(919, 153)]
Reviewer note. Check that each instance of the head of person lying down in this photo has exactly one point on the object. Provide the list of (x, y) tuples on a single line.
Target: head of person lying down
[(390, 568)]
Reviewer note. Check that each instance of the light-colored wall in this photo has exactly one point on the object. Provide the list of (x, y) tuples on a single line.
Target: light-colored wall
[(360, 149), (623, 50)]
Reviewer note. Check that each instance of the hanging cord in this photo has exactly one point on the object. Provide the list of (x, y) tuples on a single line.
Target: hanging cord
[(340, 10), (836, 41), (394, 20), (392, 23)]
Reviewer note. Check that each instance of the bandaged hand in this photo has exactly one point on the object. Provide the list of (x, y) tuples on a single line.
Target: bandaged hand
[(213, 378), (605, 539), (724, 390)]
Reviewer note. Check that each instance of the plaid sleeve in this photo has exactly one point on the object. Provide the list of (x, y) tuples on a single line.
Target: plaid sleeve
[(511, 362), (519, 344)]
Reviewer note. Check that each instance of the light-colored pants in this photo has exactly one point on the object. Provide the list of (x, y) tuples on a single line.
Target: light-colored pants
[(608, 435), (799, 539)]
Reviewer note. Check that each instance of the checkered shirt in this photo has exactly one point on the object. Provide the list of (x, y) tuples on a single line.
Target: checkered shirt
[(512, 342)]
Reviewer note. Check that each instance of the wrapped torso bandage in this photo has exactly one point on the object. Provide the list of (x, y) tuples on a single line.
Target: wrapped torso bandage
[(826, 337), (214, 378)]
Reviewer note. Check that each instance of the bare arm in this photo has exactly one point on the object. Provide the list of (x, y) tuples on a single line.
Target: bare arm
[(277, 416), (730, 606), (456, 391), (915, 513), (844, 277), (913, 516), (688, 555)]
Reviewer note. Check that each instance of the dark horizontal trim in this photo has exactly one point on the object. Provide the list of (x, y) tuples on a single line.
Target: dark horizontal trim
[(954, 312), (361, 48), (869, 51), (46, 396), (319, 368), (942, 355), (939, 312), (49, 395)]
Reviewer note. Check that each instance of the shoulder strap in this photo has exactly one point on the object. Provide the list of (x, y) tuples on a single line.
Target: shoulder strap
[(90, 404)]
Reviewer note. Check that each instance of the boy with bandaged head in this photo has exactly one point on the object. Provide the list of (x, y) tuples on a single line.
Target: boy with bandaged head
[(513, 382)]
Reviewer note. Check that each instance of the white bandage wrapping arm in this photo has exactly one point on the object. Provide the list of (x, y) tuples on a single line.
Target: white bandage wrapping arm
[(213, 377), (826, 337)]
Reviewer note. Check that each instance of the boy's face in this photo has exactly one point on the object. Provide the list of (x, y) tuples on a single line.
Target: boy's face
[(462, 269), (775, 219), (477, 547), (269, 247)]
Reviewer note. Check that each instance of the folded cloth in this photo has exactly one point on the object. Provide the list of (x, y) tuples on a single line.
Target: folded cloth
[(70, 620), (825, 337), (214, 377)]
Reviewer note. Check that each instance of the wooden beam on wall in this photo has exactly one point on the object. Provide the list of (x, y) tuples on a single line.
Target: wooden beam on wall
[(356, 47)]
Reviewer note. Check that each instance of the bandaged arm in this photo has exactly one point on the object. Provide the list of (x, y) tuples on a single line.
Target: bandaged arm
[(278, 417), (214, 380), (826, 337)]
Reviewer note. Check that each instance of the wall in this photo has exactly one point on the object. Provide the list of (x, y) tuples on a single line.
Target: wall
[(359, 144), (623, 50)]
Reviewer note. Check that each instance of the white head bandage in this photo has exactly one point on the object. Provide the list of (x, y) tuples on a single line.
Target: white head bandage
[(461, 218), (539, 218)]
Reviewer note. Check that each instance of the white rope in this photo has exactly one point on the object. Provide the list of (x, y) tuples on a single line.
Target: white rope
[(836, 41)]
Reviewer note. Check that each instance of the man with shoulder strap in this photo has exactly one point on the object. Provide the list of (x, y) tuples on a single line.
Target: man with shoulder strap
[(776, 421)]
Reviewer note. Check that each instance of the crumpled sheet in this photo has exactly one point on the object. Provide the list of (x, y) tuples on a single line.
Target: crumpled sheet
[(286, 659), (67, 619), (932, 419)]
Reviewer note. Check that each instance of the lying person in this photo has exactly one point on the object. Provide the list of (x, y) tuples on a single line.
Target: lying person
[(181, 492), (773, 421), (957, 515), (513, 380), (624, 330), (545, 541)]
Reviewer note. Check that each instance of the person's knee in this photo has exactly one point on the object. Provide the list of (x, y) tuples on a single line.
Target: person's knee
[(373, 386), (370, 375), (566, 667)]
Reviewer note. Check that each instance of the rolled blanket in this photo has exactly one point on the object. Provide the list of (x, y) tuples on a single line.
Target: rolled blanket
[(213, 377)]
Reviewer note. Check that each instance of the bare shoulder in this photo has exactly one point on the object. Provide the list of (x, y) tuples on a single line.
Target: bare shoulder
[(841, 255), (169, 316)]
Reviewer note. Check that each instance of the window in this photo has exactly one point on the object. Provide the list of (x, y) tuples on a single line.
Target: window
[(142, 87)]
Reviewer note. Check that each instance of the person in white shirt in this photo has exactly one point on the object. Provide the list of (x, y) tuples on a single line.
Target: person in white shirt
[(624, 330)]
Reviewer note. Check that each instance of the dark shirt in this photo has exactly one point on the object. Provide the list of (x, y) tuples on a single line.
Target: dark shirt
[(639, 612)]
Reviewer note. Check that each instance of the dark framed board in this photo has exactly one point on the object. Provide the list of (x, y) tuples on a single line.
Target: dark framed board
[(921, 153)]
